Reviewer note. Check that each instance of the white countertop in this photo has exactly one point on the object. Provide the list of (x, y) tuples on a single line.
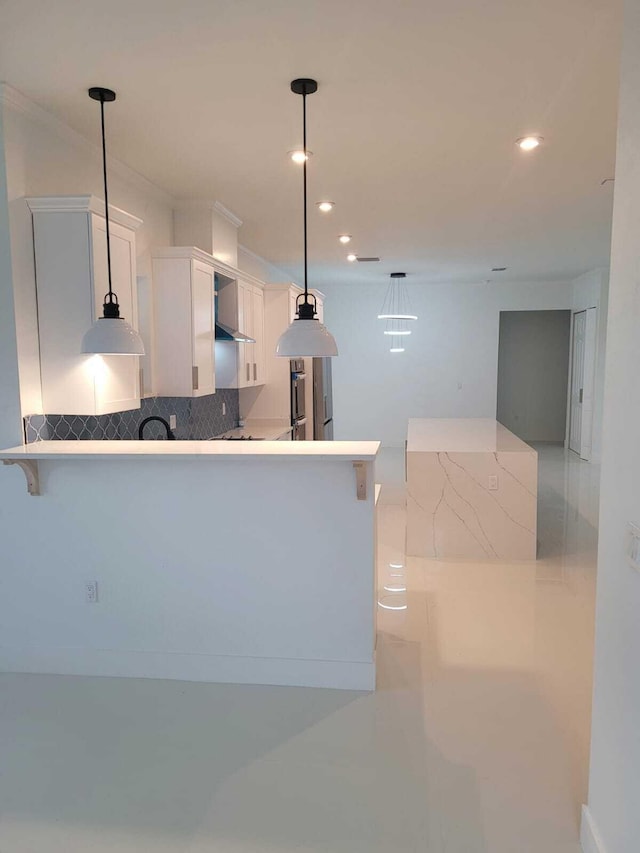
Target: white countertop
[(260, 430), (462, 435), (356, 450)]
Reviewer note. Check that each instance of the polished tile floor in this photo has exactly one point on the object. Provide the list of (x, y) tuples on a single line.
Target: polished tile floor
[(476, 740)]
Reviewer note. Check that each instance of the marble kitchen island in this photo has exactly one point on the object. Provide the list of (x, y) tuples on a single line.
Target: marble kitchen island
[(472, 489), (244, 562)]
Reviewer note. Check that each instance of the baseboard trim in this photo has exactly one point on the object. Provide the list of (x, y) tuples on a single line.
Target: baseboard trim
[(227, 669), (589, 836)]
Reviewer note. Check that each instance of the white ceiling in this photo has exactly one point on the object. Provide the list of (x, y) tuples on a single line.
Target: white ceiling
[(412, 128)]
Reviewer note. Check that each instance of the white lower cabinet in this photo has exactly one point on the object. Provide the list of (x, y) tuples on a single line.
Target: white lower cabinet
[(183, 286), (70, 251)]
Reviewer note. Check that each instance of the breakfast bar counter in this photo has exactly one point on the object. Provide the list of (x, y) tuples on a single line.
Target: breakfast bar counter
[(244, 562)]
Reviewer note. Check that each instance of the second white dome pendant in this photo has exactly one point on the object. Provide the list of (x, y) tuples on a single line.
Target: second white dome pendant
[(306, 336)]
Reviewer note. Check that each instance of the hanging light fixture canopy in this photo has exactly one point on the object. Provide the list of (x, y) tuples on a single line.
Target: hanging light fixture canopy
[(110, 334), (306, 336)]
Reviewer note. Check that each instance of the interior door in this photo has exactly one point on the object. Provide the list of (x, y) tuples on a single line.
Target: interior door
[(577, 380)]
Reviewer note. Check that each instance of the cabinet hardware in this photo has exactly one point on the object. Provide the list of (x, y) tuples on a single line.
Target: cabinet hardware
[(194, 377), (248, 372), (255, 372), (141, 381), (581, 392)]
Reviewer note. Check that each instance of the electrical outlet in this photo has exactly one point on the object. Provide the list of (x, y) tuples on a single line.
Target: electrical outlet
[(173, 422), (493, 482), (633, 546), (224, 408), (91, 592)]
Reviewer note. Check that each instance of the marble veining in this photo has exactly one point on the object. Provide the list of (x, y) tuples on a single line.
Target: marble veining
[(477, 504)]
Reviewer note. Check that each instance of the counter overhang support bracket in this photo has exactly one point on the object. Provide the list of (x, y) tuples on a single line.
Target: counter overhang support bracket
[(361, 480), (30, 469)]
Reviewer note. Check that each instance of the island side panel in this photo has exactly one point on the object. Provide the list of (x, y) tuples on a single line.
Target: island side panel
[(215, 569), (454, 512)]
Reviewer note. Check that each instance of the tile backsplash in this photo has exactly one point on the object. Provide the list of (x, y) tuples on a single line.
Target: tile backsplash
[(197, 418)]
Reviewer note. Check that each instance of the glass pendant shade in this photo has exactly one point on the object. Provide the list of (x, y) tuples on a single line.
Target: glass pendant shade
[(306, 339), (112, 336)]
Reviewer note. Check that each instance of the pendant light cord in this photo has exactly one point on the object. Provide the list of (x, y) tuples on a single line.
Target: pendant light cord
[(304, 179), (110, 295)]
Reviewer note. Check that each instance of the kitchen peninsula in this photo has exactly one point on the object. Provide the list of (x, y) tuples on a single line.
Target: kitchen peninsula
[(472, 489), (245, 562)]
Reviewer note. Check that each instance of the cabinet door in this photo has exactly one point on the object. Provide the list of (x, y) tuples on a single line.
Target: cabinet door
[(202, 329), (245, 322), (259, 361), (293, 305), (117, 377)]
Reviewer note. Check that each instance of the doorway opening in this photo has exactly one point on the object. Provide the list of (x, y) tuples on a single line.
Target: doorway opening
[(533, 374)]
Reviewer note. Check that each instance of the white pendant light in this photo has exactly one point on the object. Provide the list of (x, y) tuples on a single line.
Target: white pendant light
[(306, 336), (110, 334)]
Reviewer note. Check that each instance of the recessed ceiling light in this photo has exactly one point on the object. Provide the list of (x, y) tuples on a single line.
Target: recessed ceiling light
[(345, 238), (299, 155), (352, 258), (528, 143), (325, 206), (396, 332), (396, 349)]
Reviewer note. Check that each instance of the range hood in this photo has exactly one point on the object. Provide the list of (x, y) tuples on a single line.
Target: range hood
[(226, 334)]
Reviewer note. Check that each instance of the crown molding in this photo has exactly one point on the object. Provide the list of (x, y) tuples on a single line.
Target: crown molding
[(260, 259), (193, 253), (81, 204), (224, 211), (207, 204), (15, 100)]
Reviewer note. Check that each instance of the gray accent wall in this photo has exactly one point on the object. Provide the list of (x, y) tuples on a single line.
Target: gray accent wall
[(198, 418), (533, 373)]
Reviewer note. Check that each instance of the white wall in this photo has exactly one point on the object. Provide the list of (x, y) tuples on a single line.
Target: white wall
[(591, 290), (257, 266), (10, 417), (450, 366), (615, 750), (45, 157)]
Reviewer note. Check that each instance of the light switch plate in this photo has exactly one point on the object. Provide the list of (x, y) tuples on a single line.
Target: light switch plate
[(173, 422), (493, 482), (633, 546)]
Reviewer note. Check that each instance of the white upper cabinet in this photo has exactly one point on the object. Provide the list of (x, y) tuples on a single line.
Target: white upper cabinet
[(70, 252), (183, 287), (241, 307)]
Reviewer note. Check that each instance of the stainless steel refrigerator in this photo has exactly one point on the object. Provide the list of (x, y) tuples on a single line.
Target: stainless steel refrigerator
[(322, 400)]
